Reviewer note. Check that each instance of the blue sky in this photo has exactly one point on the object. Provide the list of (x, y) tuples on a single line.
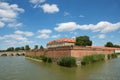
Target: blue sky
[(39, 21)]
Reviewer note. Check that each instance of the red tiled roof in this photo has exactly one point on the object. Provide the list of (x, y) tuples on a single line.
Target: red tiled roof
[(51, 42), (63, 40), (66, 40)]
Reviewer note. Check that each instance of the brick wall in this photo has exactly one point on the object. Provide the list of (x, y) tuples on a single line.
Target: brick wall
[(79, 52), (35, 52), (73, 51)]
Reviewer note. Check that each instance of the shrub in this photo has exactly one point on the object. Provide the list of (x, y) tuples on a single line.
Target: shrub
[(92, 58), (67, 61), (49, 60), (118, 53), (46, 59), (114, 55), (108, 56), (43, 58)]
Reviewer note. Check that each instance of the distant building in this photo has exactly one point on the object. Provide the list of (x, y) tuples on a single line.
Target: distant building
[(61, 42)]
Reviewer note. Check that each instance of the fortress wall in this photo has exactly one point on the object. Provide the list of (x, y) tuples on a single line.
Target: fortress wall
[(74, 51)]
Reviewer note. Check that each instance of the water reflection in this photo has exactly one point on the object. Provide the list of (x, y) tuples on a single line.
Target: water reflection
[(19, 68)]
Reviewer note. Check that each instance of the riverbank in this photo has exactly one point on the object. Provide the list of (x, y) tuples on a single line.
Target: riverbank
[(33, 59), (118, 56), (70, 61)]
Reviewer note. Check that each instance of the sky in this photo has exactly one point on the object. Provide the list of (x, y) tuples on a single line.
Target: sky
[(36, 22)]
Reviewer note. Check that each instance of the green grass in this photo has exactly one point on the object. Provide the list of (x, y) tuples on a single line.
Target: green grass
[(92, 59), (67, 61), (111, 56), (42, 57)]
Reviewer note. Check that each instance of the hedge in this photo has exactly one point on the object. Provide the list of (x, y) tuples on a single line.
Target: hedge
[(92, 58), (67, 61)]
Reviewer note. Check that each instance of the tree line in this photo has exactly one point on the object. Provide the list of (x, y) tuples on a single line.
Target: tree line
[(85, 41), (23, 48), (110, 44), (80, 41)]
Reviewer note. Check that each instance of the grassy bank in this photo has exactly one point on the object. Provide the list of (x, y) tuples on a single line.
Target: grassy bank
[(33, 59), (71, 61), (42, 58), (111, 56), (92, 59), (67, 61), (62, 61)]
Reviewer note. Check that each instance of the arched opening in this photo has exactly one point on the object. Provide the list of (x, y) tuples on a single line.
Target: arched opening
[(4, 55), (11, 54), (17, 54), (23, 54)]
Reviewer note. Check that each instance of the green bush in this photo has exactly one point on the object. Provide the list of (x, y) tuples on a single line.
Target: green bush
[(49, 60), (118, 53), (43, 58), (46, 59), (114, 55), (111, 56), (92, 58), (67, 61)]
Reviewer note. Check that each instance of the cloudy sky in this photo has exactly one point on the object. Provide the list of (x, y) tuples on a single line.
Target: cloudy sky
[(39, 21)]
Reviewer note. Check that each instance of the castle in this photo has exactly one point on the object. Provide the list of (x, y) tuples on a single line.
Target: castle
[(67, 47), (61, 42)]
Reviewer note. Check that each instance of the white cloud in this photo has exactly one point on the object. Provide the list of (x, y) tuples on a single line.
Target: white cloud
[(102, 27), (1, 38), (7, 19), (66, 13), (102, 36), (12, 9), (73, 32), (26, 42), (69, 26), (13, 36), (1, 24), (13, 43), (47, 8), (15, 25), (9, 12), (56, 36), (10, 43), (81, 16), (37, 1), (43, 36), (26, 33), (16, 37), (45, 31)]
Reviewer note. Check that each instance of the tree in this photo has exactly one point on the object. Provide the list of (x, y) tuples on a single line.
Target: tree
[(109, 44), (36, 47), (117, 46), (27, 47), (10, 49), (41, 47), (83, 41), (22, 48), (17, 48)]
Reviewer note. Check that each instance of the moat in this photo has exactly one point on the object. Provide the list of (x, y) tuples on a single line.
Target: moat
[(20, 68)]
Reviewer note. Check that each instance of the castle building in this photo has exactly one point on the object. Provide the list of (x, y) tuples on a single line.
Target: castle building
[(61, 42)]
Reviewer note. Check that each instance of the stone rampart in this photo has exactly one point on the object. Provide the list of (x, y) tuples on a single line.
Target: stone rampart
[(74, 51)]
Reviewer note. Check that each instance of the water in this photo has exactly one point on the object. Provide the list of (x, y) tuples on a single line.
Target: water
[(20, 68)]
